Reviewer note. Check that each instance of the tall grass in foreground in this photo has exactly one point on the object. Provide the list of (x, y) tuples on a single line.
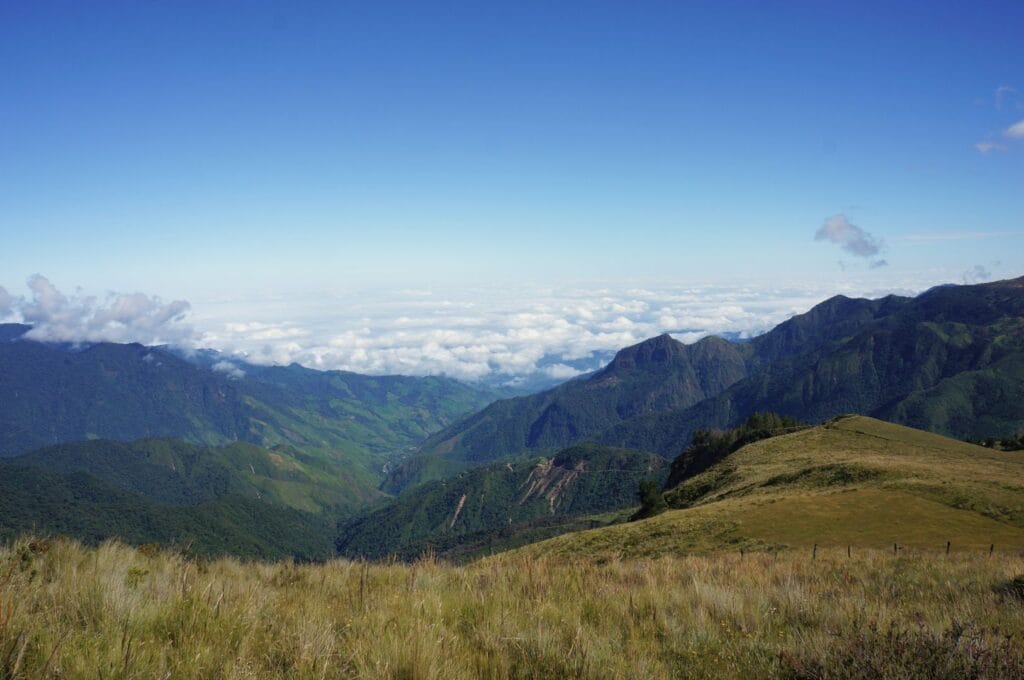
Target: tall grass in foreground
[(119, 612)]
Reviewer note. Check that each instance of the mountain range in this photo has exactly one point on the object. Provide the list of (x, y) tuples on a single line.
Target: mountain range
[(156, 444), (950, 360)]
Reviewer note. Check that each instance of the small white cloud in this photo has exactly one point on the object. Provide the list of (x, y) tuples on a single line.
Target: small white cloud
[(854, 240), (230, 369), (988, 147), (562, 371), (1015, 131)]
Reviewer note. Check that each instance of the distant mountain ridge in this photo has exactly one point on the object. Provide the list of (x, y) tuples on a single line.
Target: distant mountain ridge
[(658, 374), (949, 360)]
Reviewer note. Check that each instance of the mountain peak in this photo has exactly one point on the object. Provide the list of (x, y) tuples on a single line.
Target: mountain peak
[(659, 350)]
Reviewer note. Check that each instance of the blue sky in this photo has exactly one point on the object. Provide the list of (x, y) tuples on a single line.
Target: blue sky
[(217, 150)]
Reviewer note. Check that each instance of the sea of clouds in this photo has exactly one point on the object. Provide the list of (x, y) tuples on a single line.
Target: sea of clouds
[(527, 337)]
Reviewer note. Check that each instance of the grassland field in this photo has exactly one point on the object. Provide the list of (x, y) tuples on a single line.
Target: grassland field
[(119, 612)]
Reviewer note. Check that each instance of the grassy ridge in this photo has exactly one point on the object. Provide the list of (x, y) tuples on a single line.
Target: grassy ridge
[(856, 481), (117, 612)]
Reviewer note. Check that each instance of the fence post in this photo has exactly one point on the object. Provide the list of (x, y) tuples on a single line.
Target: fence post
[(895, 549), (848, 553), (814, 552), (947, 546), (990, 549)]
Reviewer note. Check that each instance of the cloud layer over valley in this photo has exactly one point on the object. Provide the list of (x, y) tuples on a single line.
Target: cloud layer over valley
[(528, 337)]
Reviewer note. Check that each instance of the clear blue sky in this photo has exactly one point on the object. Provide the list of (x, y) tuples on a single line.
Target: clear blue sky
[(220, 147)]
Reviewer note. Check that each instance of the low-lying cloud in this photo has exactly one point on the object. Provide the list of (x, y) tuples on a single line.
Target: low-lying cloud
[(524, 337), (528, 337), (132, 317)]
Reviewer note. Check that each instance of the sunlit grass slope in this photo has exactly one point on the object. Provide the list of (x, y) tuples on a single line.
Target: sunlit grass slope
[(854, 481), (117, 612)]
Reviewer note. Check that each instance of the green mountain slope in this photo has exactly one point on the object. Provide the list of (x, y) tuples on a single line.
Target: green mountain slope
[(354, 424), (950, 361), (855, 481), (91, 510), (656, 375), (489, 506), (174, 472)]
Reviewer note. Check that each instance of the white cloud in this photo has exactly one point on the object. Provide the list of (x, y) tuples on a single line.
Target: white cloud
[(854, 240), (133, 317), (228, 368), (562, 371), (987, 147), (524, 336), (1015, 131), (500, 335)]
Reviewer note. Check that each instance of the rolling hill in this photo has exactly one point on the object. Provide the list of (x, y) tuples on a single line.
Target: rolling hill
[(854, 481)]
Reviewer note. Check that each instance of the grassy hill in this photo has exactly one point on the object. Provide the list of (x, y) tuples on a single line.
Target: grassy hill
[(853, 481), (502, 504)]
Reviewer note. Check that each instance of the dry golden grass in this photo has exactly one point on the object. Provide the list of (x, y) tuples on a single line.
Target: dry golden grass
[(118, 612), (856, 482)]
